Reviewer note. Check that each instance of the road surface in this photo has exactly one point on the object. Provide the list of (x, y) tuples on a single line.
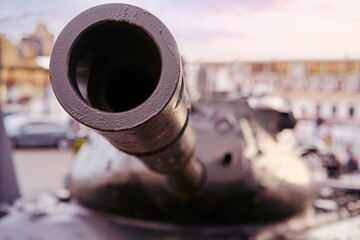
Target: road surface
[(41, 169)]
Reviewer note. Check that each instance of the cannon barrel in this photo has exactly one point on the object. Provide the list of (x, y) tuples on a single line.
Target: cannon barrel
[(116, 68)]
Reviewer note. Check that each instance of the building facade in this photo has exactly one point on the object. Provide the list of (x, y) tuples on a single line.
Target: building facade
[(328, 89), (21, 77), (39, 43)]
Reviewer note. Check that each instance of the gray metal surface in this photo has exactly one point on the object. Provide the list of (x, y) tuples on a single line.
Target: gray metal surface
[(48, 218), (9, 189)]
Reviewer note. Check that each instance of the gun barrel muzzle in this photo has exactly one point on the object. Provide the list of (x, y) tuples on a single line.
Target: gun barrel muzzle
[(116, 68)]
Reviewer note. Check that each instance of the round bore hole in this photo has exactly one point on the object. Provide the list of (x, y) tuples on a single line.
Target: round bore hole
[(114, 66), (227, 159)]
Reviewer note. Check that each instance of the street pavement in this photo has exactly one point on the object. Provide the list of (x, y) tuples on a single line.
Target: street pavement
[(41, 169)]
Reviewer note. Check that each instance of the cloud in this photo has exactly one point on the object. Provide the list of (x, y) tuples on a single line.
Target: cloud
[(228, 6), (220, 28), (326, 7)]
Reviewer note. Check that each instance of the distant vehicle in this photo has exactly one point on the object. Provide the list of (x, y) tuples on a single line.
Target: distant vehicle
[(25, 131)]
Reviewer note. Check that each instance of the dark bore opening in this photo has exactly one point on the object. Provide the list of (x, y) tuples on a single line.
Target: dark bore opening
[(227, 159), (115, 66)]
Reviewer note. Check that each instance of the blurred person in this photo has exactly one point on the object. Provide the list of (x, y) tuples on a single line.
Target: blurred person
[(318, 123), (352, 163), (332, 165)]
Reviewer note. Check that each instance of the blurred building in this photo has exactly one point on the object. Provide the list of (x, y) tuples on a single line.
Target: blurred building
[(205, 79), (39, 43), (21, 77), (329, 89)]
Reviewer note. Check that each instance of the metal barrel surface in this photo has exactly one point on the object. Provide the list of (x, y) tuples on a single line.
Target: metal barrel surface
[(116, 68)]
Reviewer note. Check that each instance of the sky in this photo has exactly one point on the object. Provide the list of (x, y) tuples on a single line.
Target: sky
[(221, 30)]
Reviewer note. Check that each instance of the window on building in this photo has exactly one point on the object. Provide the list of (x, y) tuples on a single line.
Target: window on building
[(303, 111), (334, 111), (318, 110), (351, 112)]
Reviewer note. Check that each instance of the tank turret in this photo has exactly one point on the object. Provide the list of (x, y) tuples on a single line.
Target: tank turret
[(116, 69), (164, 168)]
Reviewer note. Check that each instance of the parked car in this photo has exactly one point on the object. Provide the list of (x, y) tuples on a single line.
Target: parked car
[(25, 131)]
